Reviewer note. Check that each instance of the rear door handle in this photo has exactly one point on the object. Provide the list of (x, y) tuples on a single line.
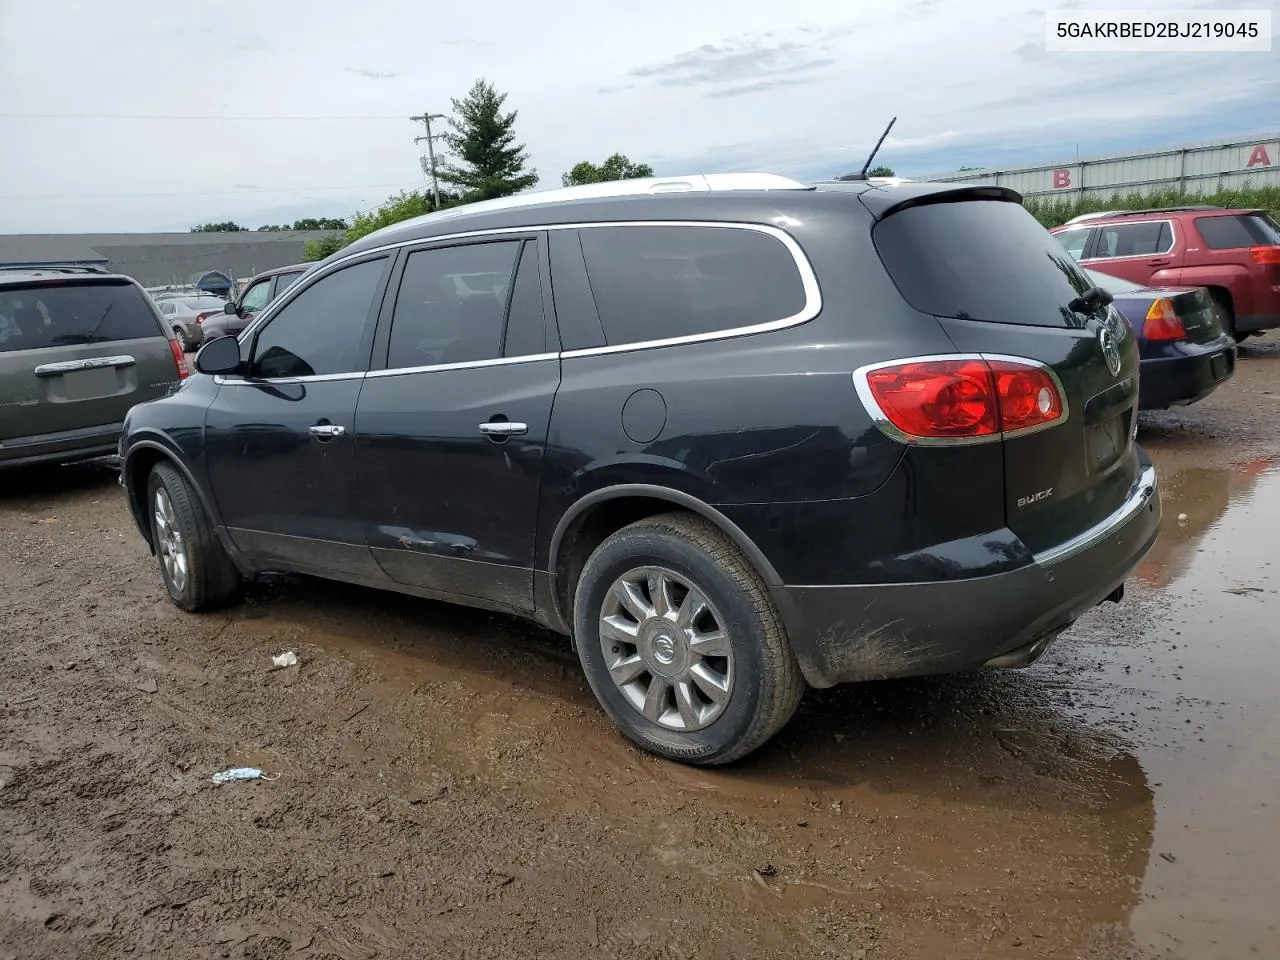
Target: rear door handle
[(503, 428), (326, 431), (1159, 262)]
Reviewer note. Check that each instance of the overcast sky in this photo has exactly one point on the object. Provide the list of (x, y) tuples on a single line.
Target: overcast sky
[(156, 115)]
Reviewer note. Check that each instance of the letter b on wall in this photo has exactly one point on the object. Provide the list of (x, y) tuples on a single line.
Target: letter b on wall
[(1061, 179)]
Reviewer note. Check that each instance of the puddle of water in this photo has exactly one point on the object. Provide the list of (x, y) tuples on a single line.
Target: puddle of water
[(1193, 686)]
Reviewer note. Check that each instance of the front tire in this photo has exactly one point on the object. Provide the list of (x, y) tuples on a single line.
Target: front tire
[(681, 643), (196, 570)]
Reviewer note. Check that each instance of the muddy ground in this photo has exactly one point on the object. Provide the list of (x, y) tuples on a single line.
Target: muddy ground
[(448, 788)]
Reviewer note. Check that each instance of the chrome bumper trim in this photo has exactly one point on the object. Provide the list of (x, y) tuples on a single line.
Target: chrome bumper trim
[(1138, 499)]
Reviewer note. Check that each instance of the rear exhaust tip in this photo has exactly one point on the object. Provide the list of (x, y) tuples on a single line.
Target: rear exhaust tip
[(1023, 656)]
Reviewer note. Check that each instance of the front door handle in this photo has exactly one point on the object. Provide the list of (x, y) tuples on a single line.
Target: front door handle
[(326, 431), (503, 428)]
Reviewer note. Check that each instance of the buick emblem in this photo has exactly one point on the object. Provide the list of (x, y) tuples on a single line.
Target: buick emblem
[(1110, 349)]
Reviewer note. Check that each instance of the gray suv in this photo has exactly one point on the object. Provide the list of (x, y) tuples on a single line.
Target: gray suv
[(78, 348)]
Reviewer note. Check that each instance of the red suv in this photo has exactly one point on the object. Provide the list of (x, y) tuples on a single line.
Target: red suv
[(1234, 253)]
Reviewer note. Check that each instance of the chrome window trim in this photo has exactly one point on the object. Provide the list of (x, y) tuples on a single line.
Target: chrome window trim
[(463, 365), (886, 426), (808, 280), (1139, 497), (1173, 234)]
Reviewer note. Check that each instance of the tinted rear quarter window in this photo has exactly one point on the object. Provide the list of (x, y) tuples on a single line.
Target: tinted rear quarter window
[(64, 315), (660, 282), (1226, 233), (980, 260)]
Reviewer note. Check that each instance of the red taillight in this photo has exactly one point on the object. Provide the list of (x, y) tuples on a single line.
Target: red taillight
[(180, 359), (202, 317), (967, 398), (1162, 323), (1269, 255)]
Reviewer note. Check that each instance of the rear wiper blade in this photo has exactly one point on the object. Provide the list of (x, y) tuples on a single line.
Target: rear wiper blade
[(1090, 300)]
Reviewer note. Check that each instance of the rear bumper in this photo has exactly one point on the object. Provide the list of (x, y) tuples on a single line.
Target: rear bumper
[(846, 633), (1185, 373), (82, 444)]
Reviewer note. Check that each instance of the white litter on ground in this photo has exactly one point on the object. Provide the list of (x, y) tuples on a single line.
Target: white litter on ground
[(242, 773), (286, 659)]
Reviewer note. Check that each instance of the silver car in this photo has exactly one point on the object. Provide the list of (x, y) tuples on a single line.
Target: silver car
[(78, 348), (185, 314)]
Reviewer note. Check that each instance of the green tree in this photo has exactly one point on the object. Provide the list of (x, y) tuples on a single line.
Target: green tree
[(403, 206), (326, 245), (617, 167), (227, 226), (322, 223), (489, 161), (881, 171)]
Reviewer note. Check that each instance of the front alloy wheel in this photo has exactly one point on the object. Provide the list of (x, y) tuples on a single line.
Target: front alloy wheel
[(169, 543)]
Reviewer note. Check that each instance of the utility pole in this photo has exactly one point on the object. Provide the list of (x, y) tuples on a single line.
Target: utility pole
[(427, 117)]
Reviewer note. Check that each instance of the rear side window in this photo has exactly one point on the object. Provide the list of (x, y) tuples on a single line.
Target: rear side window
[(1250, 230), (285, 281), (451, 305), (659, 282), (33, 318), (1135, 239), (980, 260)]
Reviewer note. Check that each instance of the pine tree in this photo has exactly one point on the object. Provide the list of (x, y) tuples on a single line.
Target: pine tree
[(489, 162)]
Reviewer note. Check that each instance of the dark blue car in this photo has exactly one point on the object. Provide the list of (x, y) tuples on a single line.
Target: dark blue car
[(1184, 353)]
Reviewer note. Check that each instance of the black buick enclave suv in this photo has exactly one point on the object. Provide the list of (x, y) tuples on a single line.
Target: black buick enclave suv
[(731, 433)]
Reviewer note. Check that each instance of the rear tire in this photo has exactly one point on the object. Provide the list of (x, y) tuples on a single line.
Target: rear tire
[(196, 570), (1227, 319), (681, 643)]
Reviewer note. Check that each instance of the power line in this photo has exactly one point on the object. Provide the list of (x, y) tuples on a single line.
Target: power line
[(198, 193), (171, 117)]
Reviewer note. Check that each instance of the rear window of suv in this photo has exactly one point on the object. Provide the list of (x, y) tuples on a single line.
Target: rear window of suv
[(66, 314), (1244, 230), (661, 282), (980, 260)]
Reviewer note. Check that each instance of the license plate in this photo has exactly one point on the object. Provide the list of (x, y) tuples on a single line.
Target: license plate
[(1106, 441)]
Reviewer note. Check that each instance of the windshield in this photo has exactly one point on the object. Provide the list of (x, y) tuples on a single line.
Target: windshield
[(980, 260)]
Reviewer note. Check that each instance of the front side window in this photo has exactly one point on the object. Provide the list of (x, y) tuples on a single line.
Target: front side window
[(451, 305), (661, 282), (1135, 239), (1073, 241), (256, 297), (321, 330)]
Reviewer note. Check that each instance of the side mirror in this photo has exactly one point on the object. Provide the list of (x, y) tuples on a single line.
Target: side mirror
[(229, 308), (219, 356)]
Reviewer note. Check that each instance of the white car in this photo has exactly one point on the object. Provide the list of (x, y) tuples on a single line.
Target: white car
[(185, 314)]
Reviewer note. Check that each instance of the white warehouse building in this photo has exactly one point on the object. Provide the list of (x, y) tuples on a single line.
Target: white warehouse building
[(1204, 167)]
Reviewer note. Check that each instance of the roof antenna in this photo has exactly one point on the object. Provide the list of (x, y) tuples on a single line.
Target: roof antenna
[(862, 174)]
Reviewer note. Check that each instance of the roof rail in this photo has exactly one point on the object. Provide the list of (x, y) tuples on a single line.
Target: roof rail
[(693, 183), (1149, 210)]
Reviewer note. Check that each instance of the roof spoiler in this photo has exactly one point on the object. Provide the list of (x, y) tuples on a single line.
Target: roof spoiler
[(884, 203), (55, 265)]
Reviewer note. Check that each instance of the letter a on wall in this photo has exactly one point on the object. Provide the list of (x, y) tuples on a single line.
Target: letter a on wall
[(1258, 157), (1061, 179)]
